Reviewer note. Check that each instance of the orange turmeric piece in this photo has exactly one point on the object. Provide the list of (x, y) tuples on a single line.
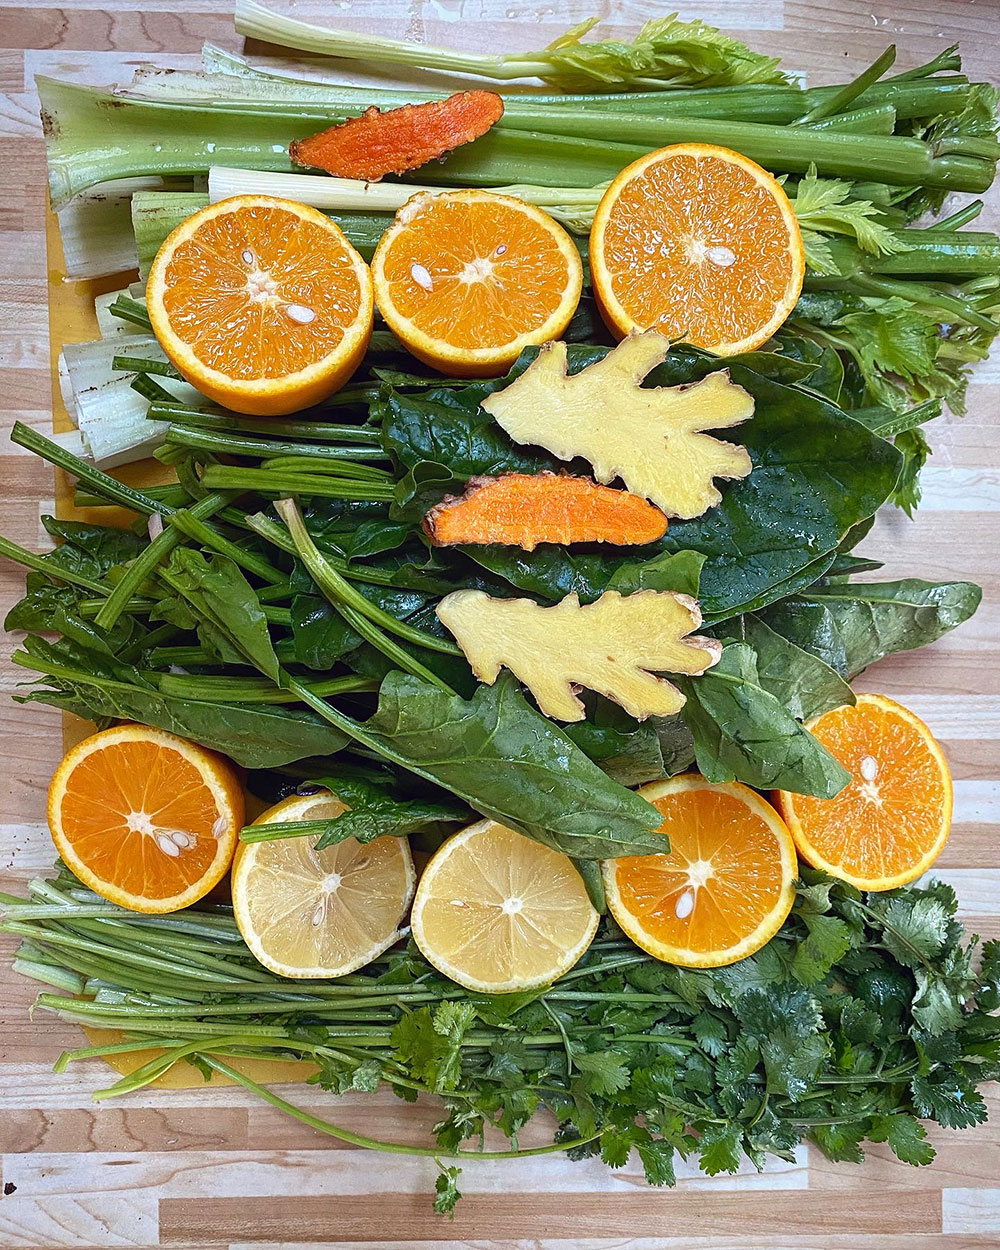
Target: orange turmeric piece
[(376, 143), (524, 509)]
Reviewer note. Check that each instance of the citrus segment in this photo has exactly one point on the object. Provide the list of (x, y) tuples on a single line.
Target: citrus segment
[(261, 303), (890, 823), (498, 912), (309, 913), (144, 818), (724, 888), (699, 243), (468, 278)]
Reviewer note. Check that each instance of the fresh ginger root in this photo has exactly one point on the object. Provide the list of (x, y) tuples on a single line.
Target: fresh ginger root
[(613, 646), (650, 437)]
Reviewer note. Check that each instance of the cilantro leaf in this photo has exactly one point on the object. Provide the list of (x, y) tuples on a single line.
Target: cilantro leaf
[(948, 1097), (906, 1136), (604, 1072), (447, 1191), (720, 1147)]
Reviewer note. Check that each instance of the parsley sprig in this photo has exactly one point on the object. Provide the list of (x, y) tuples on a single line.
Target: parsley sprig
[(865, 1015)]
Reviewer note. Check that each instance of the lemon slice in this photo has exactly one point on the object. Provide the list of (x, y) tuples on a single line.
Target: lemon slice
[(498, 912), (309, 913)]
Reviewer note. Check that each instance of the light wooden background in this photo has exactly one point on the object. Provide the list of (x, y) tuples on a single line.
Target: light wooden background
[(211, 1170)]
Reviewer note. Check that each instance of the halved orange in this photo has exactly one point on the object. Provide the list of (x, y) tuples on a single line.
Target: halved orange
[(467, 279), (724, 888), (144, 818), (261, 303), (700, 243), (890, 823)]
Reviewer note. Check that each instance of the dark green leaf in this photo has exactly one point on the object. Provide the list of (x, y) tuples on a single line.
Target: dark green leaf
[(742, 732), (906, 1136), (511, 764), (850, 627), (799, 680), (261, 736), (221, 596), (385, 818)]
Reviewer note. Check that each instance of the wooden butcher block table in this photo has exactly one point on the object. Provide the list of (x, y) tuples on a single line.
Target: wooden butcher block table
[(212, 1168)]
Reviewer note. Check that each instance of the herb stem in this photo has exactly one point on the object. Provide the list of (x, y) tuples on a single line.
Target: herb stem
[(266, 482), (344, 597), (373, 1143), (143, 566)]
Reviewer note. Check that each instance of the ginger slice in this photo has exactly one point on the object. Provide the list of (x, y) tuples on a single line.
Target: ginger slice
[(613, 646), (525, 509), (650, 437), (376, 143)]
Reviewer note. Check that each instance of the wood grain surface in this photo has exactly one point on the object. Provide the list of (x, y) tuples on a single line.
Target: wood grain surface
[(197, 1169)]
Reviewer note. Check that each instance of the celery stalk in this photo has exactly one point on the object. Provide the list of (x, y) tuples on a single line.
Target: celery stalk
[(900, 161), (154, 215), (93, 136), (666, 53)]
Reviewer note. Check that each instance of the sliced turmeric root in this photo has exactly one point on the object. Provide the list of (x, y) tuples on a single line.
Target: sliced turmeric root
[(376, 143), (523, 510)]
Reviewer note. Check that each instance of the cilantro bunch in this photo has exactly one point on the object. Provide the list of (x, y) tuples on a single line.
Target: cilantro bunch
[(864, 1015)]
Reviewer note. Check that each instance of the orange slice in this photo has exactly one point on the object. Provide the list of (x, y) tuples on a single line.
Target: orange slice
[(699, 243), (261, 303), (468, 278), (498, 912), (890, 823), (726, 885), (309, 913), (144, 818)]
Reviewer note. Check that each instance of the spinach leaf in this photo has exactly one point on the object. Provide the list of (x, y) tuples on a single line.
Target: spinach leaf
[(629, 756), (253, 735), (38, 608), (676, 744), (511, 764), (446, 426), (799, 680), (221, 597), (321, 636), (817, 474), (827, 369), (679, 570), (92, 549), (742, 732), (387, 818), (423, 485), (98, 687), (852, 626), (550, 572)]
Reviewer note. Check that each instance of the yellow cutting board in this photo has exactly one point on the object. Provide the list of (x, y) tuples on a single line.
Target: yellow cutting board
[(72, 320)]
